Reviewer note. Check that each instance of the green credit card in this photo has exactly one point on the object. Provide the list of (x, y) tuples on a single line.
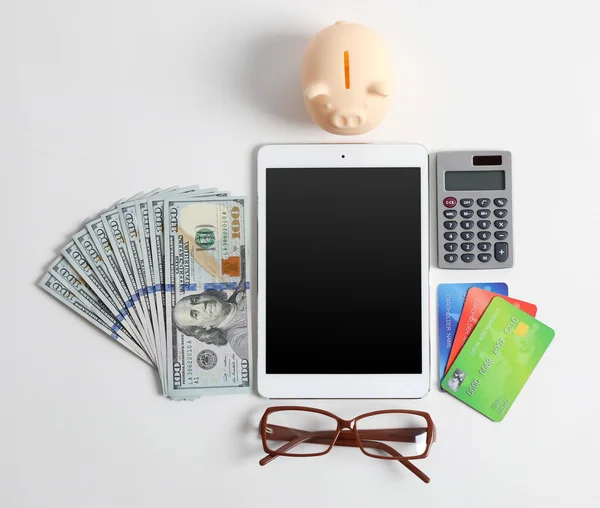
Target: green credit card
[(498, 358)]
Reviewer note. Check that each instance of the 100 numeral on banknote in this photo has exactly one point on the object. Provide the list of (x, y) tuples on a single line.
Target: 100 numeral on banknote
[(207, 311)]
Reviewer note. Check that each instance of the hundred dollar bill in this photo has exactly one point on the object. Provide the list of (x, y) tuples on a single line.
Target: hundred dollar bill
[(207, 311), (131, 231), (134, 218), (64, 272), (111, 222), (134, 215), (151, 216), (100, 240), (98, 281), (142, 211), (60, 292), (134, 230)]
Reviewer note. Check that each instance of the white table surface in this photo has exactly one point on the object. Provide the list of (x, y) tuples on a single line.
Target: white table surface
[(99, 100)]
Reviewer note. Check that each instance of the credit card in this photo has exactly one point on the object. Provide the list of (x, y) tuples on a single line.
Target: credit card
[(451, 298), (474, 307), (497, 360)]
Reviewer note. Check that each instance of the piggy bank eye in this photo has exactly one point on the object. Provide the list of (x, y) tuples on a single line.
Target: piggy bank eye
[(378, 88), (327, 105), (315, 90)]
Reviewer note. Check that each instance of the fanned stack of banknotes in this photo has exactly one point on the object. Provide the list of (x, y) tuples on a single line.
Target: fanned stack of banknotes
[(164, 274)]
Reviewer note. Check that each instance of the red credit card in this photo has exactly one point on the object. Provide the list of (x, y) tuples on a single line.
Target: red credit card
[(475, 304)]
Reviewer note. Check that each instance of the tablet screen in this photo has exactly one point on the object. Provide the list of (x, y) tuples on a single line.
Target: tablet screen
[(343, 271)]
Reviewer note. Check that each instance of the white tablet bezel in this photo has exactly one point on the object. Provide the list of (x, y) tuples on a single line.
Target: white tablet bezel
[(301, 386)]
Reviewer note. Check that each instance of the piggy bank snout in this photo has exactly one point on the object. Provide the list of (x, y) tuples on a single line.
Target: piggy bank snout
[(348, 119)]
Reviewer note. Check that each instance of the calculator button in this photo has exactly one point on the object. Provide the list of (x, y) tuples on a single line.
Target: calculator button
[(501, 235), (467, 214), (467, 258), (450, 202), (501, 224), (484, 224), (467, 235), (451, 235), (484, 213), (467, 224), (484, 246), (450, 214), (501, 213), (467, 202), (451, 247), (467, 246), (500, 201), (484, 258), (450, 258), (485, 235), (450, 224), (483, 202), (501, 251)]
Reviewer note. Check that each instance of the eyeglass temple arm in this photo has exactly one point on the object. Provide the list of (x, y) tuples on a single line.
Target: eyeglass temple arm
[(347, 440), (407, 435), (391, 451)]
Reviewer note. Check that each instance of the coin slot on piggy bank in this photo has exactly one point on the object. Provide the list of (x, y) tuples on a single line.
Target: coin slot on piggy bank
[(347, 79)]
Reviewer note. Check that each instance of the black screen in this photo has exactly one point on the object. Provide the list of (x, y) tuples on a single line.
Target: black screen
[(474, 180), (343, 271)]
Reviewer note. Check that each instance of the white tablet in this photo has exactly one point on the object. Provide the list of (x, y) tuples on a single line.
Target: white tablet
[(343, 260)]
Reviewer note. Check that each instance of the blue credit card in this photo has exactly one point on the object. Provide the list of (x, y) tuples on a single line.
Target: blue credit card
[(451, 299)]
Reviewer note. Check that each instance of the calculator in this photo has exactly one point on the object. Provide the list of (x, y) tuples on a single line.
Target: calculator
[(474, 210)]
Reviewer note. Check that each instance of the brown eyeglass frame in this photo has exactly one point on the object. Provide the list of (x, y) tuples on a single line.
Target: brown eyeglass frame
[(346, 434)]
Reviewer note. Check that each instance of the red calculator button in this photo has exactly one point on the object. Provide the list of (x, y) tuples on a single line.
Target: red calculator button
[(450, 202)]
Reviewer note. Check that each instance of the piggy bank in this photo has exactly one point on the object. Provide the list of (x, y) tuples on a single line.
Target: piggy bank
[(347, 79)]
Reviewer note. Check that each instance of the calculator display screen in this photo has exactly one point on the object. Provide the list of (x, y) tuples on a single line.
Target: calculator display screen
[(474, 180), (343, 271)]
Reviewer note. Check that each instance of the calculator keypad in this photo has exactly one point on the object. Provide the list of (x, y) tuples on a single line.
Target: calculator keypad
[(487, 214), (476, 218)]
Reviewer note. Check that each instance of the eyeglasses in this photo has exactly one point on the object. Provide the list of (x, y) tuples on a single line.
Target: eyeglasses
[(296, 431)]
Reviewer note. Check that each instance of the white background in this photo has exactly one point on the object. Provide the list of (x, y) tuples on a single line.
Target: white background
[(99, 100)]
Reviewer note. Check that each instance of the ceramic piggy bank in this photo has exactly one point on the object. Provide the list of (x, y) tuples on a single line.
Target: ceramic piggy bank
[(347, 79)]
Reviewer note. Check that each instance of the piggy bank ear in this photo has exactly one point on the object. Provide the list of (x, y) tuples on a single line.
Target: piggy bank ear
[(379, 88), (315, 89)]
